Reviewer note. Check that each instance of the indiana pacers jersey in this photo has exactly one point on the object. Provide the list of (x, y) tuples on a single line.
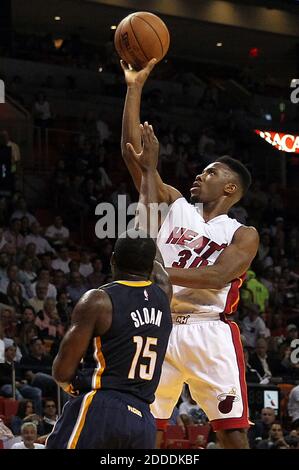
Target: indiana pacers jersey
[(128, 358), (187, 241)]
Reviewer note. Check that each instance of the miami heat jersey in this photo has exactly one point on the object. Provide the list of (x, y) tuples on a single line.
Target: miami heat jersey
[(187, 241), (128, 358)]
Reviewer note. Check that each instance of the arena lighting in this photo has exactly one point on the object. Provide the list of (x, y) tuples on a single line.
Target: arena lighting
[(219, 44), (57, 18), (254, 52), (283, 142), (113, 26)]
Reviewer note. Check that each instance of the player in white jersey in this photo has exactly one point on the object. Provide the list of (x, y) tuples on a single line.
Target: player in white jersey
[(206, 255)]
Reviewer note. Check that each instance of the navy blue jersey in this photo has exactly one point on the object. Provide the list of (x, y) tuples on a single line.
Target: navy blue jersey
[(129, 356)]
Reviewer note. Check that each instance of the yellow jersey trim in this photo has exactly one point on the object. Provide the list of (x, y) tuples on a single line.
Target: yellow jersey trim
[(135, 283)]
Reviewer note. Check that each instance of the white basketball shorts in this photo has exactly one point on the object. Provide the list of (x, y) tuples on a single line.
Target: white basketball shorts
[(208, 356)]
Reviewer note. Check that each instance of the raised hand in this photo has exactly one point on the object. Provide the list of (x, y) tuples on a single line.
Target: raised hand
[(147, 159), (137, 78)]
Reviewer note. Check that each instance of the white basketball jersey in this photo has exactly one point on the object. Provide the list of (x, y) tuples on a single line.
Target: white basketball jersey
[(187, 241)]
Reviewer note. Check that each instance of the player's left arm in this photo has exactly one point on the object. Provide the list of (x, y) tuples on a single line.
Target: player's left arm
[(231, 264), (90, 314)]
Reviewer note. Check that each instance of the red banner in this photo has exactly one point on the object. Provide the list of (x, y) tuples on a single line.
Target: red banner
[(283, 142)]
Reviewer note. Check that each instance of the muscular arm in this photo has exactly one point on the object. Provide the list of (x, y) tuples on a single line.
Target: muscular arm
[(131, 133), (91, 316), (231, 264)]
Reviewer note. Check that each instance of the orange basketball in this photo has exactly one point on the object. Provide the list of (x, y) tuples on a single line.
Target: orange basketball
[(140, 37)]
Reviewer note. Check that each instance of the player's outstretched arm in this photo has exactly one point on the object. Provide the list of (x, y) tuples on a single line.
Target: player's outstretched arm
[(91, 316), (231, 264), (154, 199), (131, 129)]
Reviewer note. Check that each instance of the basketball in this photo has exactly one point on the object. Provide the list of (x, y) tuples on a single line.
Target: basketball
[(141, 37)]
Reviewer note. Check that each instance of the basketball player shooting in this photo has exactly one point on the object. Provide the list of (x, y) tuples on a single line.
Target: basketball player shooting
[(206, 254)]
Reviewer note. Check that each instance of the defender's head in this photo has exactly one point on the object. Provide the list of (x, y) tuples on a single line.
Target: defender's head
[(134, 254), (225, 177)]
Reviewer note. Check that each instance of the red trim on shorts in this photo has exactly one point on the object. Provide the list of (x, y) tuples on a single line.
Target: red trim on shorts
[(233, 295), (161, 424), (243, 421)]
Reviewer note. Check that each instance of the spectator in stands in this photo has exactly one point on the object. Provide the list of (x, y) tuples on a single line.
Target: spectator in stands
[(42, 245), (27, 276), (37, 368), (63, 260), (252, 375), (85, 267), (27, 332), (189, 411), (275, 439), (293, 407), (263, 362), (76, 287), (64, 308), (48, 321), (42, 111), (103, 131), (23, 389), (29, 436), (46, 261), (30, 253), (13, 236), (59, 280), (44, 277), (25, 414), (253, 326), (2, 345), (259, 293), (15, 297), (97, 277), (15, 152), (38, 301), (261, 428), (50, 416), (12, 275), (291, 333), (21, 211), (57, 234), (5, 247)]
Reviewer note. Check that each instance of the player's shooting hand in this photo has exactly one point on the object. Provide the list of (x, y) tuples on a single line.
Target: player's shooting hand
[(137, 78), (147, 159)]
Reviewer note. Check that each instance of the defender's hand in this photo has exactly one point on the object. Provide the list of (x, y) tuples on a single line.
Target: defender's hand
[(137, 78), (147, 159)]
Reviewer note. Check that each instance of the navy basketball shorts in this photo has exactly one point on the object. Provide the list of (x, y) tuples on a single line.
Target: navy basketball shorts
[(104, 419)]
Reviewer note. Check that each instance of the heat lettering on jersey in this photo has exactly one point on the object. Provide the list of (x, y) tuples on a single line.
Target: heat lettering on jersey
[(199, 245)]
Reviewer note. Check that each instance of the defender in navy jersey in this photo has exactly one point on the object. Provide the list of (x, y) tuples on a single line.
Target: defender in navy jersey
[(121, 331)]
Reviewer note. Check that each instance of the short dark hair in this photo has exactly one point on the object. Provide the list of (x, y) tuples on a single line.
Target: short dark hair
[(135, 252), (237, 167)]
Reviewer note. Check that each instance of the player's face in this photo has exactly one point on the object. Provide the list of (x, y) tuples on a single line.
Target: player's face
[(209, 185)]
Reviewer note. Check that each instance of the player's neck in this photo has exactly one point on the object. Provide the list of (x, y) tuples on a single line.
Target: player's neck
[(214, 209), (124, 276)]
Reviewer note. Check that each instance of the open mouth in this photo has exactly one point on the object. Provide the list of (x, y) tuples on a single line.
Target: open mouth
[(195, 185)]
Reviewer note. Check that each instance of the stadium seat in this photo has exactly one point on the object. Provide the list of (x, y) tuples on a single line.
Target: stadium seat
[(173, 431), (194, 430), (10, 407), (178, 444), (2, 399)]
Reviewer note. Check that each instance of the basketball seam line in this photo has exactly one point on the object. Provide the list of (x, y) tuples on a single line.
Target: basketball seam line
[(153, 30), (138, 41)]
